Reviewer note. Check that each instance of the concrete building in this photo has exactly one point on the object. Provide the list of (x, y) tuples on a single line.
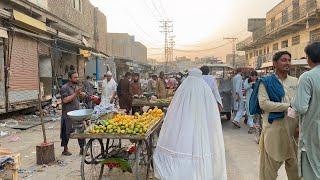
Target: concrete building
[(290, 25), (210, 60), (122, 45), (183, 63), (46, 38), (139, 52), (240, 60)]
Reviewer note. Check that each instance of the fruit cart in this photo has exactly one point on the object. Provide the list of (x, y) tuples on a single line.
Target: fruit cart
[(160, 103), (102, 148)]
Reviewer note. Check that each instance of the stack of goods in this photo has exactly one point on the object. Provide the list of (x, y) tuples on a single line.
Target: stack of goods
[(103, 109), (163, 101), (128, 124), (9, 164)]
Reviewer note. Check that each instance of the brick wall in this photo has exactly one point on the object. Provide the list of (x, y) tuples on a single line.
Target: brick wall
[(64, 10), (44, 50), (101, 32)]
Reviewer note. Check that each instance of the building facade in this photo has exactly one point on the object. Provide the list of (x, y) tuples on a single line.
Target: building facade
[(139, 52), (122, 45), (45, 39), (290, 26), (239, 60)]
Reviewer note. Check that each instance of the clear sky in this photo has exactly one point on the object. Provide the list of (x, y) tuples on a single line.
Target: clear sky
[(197, 24)]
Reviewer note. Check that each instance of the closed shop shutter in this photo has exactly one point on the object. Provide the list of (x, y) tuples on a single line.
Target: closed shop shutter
[(23, 80)]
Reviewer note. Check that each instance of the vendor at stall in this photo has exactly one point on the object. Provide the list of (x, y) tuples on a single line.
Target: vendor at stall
[(125, 99), (109, 89), (70, 102), (88, 87), (161, 90), (152, 84), (135, 90)]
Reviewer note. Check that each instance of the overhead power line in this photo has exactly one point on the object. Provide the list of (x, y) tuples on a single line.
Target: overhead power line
[(157, 9)]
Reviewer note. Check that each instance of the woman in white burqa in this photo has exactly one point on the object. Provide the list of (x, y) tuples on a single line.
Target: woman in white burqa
[(190, 145)]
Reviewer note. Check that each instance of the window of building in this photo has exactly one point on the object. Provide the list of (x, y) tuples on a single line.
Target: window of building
[(275, 47), (315, 36), (260, 52), (284, 18), (250, 55), (296, 40), (77, 4), (284, 44), (264, 51), (273, 23), (268, 50)]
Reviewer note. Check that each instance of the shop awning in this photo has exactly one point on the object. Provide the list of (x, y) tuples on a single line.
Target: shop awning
[(299, 62), (266, 65), (31, 22)]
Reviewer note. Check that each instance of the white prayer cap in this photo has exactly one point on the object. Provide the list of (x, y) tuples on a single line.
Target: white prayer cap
[(109, 73), (195, 72)]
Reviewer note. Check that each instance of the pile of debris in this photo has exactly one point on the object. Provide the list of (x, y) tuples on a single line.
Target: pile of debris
[(9, 164)]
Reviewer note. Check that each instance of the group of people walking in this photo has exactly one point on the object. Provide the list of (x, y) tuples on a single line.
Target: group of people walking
[(191, 144), (290, 116)]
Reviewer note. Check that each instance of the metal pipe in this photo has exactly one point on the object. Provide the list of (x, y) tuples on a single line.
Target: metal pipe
[(97, 68)]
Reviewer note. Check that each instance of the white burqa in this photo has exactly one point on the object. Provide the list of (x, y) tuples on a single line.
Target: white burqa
[(190, 145)]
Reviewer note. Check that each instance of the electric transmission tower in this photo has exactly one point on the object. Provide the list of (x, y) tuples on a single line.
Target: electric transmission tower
[(166, 29)]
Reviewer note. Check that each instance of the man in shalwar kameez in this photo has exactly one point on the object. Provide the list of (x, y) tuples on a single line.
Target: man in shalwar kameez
[(277, 139)]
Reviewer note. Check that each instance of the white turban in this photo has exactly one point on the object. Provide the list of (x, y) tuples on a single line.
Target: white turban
[(109, 73)]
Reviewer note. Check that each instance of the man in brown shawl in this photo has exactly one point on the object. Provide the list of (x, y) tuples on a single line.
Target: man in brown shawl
[(135, 89), (125, 98), (161, 90)]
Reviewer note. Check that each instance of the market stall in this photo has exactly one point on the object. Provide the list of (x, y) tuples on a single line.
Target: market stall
[(160, 103), (105, 149), (298, 66)]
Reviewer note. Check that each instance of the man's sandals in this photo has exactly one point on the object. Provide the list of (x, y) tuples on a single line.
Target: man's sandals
[(236, 124)]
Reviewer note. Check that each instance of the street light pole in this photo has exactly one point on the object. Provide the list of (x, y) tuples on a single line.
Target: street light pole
[(234, 40)]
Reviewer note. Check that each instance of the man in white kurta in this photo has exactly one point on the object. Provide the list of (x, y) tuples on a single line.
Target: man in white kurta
[(190, 145), (212, 82), (238, 104), (109, 88)]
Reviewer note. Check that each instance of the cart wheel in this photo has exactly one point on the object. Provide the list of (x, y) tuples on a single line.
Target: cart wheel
[(91, 167), (140, 161), (228, 114)]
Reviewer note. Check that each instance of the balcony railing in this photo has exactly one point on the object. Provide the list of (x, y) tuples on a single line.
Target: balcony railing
[(244, 43), (296, 14)]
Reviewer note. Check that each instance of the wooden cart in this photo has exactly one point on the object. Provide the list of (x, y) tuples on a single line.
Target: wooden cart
[(103, 146), (144, 102)]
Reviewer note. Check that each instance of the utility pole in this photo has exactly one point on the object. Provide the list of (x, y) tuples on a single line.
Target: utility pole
[(234, 41), (171, 44), (166, 29)]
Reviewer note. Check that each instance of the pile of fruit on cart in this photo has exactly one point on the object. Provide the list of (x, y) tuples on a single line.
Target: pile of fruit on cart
[(128, 124), (163, 101)]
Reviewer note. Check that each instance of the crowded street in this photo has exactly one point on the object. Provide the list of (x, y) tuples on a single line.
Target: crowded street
[(159, 89), (240, 146)]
